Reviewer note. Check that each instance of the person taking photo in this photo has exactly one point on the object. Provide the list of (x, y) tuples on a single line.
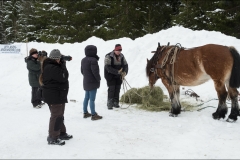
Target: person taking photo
[(34, 70), (55, 85)]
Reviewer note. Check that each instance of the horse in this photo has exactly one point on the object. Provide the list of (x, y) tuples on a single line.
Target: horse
[(177, 66)]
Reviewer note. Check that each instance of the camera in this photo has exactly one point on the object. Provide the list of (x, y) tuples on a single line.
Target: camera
[(66, 58), (42, 53)]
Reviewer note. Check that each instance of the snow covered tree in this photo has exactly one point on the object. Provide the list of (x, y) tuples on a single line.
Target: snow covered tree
[(2, 33)]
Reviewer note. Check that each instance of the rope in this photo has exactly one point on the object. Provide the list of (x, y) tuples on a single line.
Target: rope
[(125, 89), (165, 59), (172, 61), (207, 106)]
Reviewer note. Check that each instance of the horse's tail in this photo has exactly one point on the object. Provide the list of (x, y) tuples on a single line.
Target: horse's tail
[(235, 75)]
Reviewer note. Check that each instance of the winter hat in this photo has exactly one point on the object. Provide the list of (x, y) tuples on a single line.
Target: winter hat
[(55, 54), (33, 51), (90, 50), (118, 47)]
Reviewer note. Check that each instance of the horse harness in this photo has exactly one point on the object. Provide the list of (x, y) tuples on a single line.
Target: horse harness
[(172, 52)]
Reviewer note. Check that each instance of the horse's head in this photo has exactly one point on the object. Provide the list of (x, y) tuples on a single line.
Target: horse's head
[(151, 74), (151, 70)]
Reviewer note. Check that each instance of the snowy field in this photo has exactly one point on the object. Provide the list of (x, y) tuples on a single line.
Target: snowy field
[(122, 133)]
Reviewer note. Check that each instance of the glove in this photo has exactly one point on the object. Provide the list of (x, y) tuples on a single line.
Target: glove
[(123, 74), (120, 71)]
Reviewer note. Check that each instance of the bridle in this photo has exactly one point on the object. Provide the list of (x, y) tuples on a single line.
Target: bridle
[(154, 70), (156, 66), (174, 50)]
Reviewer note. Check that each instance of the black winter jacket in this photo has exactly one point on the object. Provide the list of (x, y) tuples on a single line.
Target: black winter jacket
[(55, 82), (34, 69), (90, 71)]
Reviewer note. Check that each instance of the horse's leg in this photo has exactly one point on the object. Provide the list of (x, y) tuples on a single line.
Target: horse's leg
[(174, 97), (222, 96), (175, 101), (233, 94)]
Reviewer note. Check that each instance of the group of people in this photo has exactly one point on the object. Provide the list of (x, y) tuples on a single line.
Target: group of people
[(49, 82)]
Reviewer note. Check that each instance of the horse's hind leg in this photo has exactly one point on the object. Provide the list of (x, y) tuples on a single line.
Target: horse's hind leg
[(233, 94), (222, 96)]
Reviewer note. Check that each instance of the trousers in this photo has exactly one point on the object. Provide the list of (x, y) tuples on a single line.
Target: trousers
[(90, 96), (36, 96), (56, 122)]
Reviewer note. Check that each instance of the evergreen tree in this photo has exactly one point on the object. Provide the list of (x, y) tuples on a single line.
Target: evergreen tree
[(2, 33), (225, 17), (193, 14), (158, 14), (26, 21), (47, 20), (123, 19), (10, 22)]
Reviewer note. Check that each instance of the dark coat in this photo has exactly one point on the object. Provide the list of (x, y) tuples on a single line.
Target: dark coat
[(90, 69), (112, 66), (55, 82), (34, 69)]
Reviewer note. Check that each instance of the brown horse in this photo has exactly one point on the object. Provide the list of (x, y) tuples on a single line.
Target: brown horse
[(177, 66)]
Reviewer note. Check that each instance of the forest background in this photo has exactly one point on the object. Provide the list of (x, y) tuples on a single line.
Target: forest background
[(70, 21)]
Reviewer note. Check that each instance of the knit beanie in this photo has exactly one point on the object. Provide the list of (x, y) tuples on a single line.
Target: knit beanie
[(55, 54), (118, 47)]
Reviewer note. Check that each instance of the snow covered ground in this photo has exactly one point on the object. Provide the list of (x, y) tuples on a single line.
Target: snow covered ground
[(122, 133)]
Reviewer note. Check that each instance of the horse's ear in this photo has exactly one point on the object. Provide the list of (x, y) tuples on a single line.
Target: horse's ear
[(153, 52), (158, 44), (147, 60), (168, 43)]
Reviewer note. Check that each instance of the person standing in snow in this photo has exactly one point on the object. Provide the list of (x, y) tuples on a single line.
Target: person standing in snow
[(115, 69), (34, 69), (55, 85), (91, 80)]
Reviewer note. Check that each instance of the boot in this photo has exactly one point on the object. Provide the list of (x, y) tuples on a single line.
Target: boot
[(86, 115), (116, 103), (65, 136), (110, 104), (37, 106), (96, 117), (56, 141)]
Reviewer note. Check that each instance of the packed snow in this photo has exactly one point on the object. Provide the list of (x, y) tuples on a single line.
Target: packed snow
[(122, 133)]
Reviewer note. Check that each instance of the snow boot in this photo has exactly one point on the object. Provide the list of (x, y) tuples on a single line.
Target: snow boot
[(42, 103), (56, 141), (65, 136), (110, 104), (37, 106), (86, 115), (96, 117), (116, 103)]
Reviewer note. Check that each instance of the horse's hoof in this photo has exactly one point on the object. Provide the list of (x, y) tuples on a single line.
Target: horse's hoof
[(232, 117), (215, 116), (231, 120), (172, 115)]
